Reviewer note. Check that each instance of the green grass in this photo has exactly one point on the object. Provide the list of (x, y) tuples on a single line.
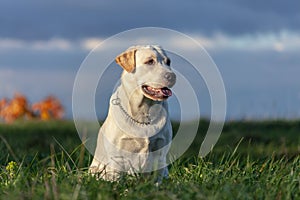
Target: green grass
[(252, 160)]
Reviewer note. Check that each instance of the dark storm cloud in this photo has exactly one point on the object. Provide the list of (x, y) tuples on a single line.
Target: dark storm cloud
[(34, 19), (34, 59)]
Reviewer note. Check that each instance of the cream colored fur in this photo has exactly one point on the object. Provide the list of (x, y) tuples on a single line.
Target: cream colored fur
[(136, 135)]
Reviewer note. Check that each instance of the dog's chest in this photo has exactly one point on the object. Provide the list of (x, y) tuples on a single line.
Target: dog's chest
[(139, 145), (133, 145)]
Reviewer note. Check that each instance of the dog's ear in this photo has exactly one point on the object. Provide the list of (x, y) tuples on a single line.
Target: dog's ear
[(127, 60)]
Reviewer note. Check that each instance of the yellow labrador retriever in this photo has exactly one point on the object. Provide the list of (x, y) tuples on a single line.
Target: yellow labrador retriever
[(136, 135)]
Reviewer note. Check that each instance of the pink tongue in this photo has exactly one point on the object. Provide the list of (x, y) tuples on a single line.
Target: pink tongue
[(166, 92)]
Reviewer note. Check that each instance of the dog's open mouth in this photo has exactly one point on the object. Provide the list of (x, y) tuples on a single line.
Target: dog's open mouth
[(157, 94)]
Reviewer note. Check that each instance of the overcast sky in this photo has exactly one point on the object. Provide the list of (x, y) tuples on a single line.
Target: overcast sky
[(255, 44)]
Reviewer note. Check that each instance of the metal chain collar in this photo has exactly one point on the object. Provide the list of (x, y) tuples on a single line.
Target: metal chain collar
[(117, 102)]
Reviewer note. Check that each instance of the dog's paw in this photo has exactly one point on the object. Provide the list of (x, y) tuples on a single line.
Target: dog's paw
[(93, 170), (104, 173)]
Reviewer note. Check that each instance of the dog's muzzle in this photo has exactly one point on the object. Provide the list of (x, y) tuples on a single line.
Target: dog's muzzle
[(160, 93), (170, 76), (156, 94)]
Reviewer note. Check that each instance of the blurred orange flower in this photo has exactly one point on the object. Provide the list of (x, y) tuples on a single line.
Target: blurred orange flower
[(14, 109), (18, 107), (49, 108)]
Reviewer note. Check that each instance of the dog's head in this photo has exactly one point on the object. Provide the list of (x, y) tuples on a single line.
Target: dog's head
[(149, 67)]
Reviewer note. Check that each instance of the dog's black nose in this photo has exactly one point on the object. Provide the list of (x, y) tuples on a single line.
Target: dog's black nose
[(170, 76)]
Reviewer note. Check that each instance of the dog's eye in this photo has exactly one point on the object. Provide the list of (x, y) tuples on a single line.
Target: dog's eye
[(168, 61), (150, 62)]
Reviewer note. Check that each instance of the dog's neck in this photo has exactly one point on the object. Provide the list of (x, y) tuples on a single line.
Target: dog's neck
[(135, 103)]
